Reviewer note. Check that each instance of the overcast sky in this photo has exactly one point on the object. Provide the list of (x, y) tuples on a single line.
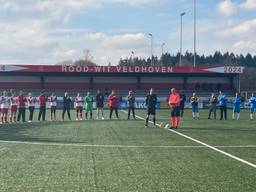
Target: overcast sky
[(50, 31)]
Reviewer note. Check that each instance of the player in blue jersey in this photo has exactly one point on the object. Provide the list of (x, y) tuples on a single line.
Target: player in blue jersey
[(223, 105), (237, 101), (252, 105)]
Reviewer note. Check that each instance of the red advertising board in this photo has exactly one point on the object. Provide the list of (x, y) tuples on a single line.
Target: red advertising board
[(118, 69)]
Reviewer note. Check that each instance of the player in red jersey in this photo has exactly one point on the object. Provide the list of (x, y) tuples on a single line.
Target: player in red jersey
[(4, 106), (174, 102), (53, 104), (79, 103), (42, 100), (21, 107), (113, 104), (13, 107)]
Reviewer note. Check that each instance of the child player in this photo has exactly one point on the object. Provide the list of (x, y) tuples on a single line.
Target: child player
[(237, 101), (79, 102), (4, 104), (13, 107), (194, 103), (53, 105), (88, 105), (252, 105), (174, 102)]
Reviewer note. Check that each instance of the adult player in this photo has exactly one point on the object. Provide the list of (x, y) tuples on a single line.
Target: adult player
[(223, 105), (113, 104), (194, 102), (22, 100), (53, 104), (42, 100), (66, 106), (79, 103), (151, 101), (174, 103), (13, 107), (31, 101), (4, 106), (237, 101), (183, 100), (88, 101), (213, 101), (252, 105), (131, 103), (100, 104)]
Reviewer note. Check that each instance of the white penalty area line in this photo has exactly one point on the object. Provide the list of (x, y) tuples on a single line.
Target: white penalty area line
[(119, 146), (204, 144)]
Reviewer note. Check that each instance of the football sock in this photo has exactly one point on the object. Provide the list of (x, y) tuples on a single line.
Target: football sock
[(177, 121), (173, 121)]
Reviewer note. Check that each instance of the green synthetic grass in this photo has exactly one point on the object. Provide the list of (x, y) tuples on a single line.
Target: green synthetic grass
[(109, 156)]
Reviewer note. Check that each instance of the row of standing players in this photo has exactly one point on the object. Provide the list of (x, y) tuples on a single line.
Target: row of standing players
[(176, 102), (17, 106)]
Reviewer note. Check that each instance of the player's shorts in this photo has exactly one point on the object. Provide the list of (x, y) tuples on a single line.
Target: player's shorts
[(151, 111), (236, 109), (79, 108), (252, 110), (13, 109), (4, 110), (195, 109), (175, 112)]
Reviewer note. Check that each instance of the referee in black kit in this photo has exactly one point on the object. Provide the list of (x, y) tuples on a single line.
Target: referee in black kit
[(151, 102)]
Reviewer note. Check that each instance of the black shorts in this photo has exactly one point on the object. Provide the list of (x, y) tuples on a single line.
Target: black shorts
[(175, 112), (151, 111)]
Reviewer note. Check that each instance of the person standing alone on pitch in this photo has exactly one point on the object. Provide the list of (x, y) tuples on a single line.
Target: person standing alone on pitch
[(213, 101), (31, 106), (66, 106), (237, 101), (100, 104), (21, 107), (223, 105), (194, 102), (113, 104), (42, 100), (151, 101), (174, 103), (88, 100), (131, 107)]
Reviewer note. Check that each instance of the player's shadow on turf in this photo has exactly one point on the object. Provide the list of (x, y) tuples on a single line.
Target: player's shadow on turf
[(18, 132)]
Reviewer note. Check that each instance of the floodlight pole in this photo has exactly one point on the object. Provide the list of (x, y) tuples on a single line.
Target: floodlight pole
[(194, 33), (181, 31)]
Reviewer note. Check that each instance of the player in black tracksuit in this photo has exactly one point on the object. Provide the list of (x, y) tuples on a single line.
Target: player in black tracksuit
[(151, 102)]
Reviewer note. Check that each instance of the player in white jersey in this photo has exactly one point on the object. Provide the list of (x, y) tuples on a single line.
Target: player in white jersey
[(31, 101), (4, 105), (79, 102), (13, 107), (53, 104)]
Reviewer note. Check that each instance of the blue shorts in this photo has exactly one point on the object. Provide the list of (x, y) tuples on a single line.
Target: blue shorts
[(195, 109), (236, 109), (252, 110)]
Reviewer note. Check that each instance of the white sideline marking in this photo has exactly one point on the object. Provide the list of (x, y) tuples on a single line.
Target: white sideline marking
[(119, 146), (204, 144)]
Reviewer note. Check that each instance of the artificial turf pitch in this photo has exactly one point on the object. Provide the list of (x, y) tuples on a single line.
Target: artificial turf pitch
[(122, 155)]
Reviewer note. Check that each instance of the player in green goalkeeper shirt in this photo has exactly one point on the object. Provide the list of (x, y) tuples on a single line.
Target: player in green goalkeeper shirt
[(88, 105)]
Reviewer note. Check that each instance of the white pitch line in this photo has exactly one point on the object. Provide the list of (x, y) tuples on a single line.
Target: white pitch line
[(204, 144), (119, 146)]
